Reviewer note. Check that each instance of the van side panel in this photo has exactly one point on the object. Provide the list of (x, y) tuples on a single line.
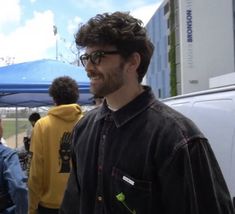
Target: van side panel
[(214, 114), (215, 119)]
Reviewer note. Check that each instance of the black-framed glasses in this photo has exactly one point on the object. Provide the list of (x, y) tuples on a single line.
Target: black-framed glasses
[(95, 57)]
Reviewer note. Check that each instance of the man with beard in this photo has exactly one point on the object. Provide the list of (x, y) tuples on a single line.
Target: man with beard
[(133, 154)]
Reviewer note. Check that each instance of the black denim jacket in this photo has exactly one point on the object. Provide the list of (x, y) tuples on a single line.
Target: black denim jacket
[(144, 158)]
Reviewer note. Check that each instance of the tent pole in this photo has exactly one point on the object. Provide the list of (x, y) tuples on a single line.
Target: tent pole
[(16, 127)]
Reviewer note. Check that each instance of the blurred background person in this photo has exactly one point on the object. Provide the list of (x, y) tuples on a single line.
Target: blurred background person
[(50, 148), (13, 188), (33, 118), (23, 151)]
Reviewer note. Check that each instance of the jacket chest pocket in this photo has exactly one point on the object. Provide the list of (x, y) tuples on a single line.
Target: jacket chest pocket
[(130, 195)]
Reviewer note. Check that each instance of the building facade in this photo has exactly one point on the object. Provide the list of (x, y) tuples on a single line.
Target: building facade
[(194, 41)]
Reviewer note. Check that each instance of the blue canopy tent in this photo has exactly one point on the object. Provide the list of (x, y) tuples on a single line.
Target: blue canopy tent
[(26, 84)]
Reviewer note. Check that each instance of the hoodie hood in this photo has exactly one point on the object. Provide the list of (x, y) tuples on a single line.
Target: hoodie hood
[(68, 112)]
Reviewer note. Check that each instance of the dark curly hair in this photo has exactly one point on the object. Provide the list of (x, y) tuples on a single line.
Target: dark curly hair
[(34, 117), (64, 90), (121, 30)]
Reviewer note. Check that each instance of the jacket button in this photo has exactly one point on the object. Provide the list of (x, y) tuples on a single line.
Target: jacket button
[(100, 198)]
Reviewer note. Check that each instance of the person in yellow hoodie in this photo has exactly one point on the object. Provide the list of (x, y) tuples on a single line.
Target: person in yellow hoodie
[(50, 148)]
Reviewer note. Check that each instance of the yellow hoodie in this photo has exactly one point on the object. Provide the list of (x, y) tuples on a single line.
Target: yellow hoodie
[(50, 161)]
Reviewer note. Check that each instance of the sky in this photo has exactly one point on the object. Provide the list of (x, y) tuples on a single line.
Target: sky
[(26, 26)]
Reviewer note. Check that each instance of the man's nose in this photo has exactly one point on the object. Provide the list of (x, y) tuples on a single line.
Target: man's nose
[(89, 66)]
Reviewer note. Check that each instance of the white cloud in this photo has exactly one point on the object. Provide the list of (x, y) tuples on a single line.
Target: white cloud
[(73, 25), (10, 11), (34, 38), (145, 13), (30, 41)]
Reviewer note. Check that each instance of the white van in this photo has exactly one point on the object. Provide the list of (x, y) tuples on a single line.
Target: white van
[(213, 111)]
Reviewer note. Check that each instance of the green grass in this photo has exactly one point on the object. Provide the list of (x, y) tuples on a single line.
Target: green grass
[(9, 127)]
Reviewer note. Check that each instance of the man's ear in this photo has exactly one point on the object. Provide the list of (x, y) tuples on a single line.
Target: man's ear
[(134, 61)]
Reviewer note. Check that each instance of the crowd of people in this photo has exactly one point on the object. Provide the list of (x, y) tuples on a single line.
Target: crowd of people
[(130, 154)]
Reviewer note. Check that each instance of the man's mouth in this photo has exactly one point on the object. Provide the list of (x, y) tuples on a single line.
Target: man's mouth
[(94, 78)]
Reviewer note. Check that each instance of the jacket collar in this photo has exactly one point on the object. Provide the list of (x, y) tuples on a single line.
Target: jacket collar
[(129, 111)]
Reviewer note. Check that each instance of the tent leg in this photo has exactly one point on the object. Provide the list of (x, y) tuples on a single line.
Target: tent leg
[(16, 127)]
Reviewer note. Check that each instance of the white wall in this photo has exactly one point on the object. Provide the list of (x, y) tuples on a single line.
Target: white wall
[(211, 52), (222, 80)]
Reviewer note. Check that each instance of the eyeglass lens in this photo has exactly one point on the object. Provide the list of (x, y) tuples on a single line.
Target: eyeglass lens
[(95, 57)]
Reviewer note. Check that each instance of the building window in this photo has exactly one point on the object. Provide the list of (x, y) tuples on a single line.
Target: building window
[(177, 54), (176, 4), (159, 93), (177, 36), (168, 23), (193, 81), (166, 8), (178, 73), (169, 39), (176, 18)]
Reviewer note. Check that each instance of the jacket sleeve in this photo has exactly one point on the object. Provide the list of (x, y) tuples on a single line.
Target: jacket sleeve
[(16, 180), (70, 203), (36, 169), (192, 182)]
